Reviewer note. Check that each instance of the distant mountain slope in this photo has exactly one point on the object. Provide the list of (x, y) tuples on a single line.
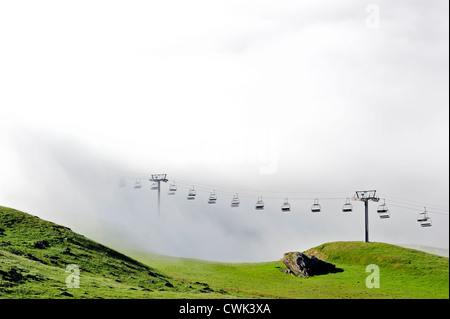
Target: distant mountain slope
[(444, 252), (35, 253)]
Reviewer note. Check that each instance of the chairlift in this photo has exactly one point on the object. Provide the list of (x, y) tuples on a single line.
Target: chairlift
[(212, 198), (259, 204), (138, 183), (286, 207), (192, 193), (172, 189), (383, 211), (154, 186), (347, 208), (315, 208), (424, 219), (235, 201)]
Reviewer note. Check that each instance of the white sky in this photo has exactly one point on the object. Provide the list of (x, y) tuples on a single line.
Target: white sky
[(272, 96)]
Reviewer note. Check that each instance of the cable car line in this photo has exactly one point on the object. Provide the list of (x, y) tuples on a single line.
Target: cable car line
[(204, 188), (415, 203), (416, 209), (383, 212)]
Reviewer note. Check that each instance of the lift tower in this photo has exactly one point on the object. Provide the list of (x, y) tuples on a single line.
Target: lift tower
[(366, 196), (159, 178)]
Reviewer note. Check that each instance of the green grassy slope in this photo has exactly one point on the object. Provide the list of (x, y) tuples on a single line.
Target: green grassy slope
[(29, 270), (404, 273), (34, 255)]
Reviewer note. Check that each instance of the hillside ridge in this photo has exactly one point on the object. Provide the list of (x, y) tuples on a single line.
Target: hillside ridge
[(35, 256)]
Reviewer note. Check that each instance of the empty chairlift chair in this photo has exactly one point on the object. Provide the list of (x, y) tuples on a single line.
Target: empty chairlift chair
[(383, 211), (259, 204), (154, 186), (138, 183), (192, 193), (212, 198), (347, 208), (235, 201), (315, 208), (424, 219), (172, 189), (286, 207)]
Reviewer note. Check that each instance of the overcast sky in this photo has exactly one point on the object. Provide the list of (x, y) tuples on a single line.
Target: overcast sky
[(299, 99)]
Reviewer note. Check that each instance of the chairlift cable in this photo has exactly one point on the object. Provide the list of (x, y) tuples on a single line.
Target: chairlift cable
[(417, 209), (277, 195), (416, 203)]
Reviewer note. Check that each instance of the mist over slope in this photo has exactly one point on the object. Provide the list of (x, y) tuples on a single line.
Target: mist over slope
[(71, 183)]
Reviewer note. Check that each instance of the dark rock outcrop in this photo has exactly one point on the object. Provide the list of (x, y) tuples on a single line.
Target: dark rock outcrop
[(65, 293), (30, 256), (42, 244), (67, 252), (303, 266), (11, 275)]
